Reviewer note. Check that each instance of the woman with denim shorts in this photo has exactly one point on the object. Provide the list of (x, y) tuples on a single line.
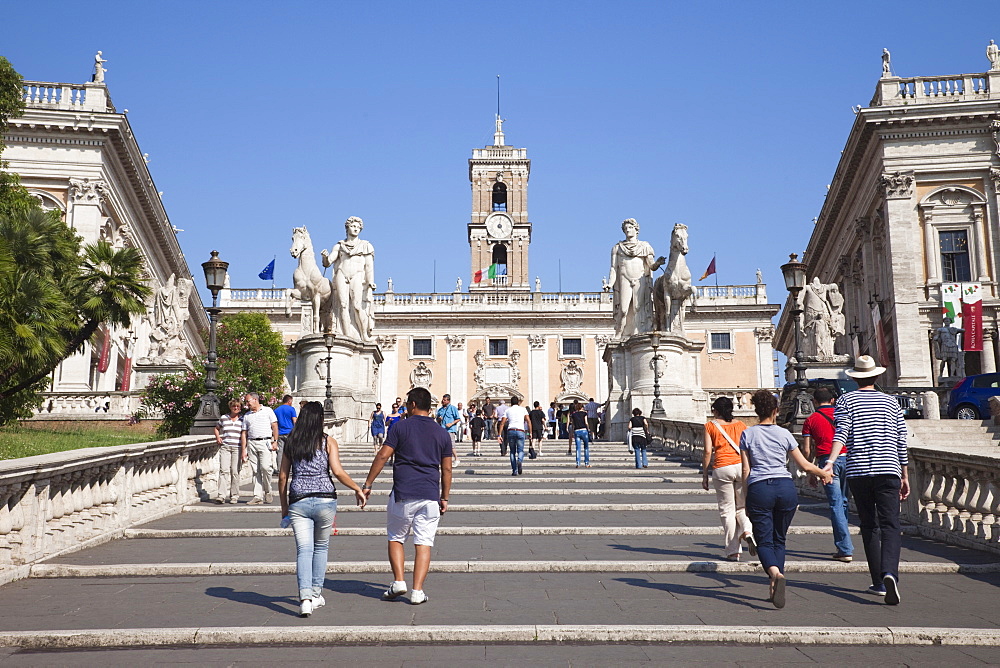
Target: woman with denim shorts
[(309, 503)]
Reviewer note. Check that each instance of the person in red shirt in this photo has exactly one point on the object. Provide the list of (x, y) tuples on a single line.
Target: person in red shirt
[(818, 431)]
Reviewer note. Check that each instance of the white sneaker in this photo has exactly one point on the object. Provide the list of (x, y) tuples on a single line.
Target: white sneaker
[(417, 597), (318, 602), (395, 590), (306, 608)]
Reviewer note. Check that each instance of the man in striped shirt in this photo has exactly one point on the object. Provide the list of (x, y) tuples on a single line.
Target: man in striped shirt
[(870, 424)]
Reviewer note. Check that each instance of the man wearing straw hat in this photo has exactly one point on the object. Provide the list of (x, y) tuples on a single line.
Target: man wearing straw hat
[(870, 424)]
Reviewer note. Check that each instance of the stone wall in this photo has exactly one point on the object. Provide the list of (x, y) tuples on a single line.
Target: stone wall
[(65, 501)]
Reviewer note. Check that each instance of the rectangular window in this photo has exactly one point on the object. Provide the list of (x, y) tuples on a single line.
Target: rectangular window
[(955, 266), (572, 347), (721, 341), (498, 347), (421, 347)]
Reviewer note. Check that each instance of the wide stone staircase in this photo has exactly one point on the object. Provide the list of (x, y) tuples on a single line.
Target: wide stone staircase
[(560, 566)]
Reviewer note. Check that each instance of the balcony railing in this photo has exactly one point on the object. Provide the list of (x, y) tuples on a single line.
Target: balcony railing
[(894, 91), (65, 96)]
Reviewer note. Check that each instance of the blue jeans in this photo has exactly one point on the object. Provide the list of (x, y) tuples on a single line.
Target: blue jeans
[(771, 505), (515, 441), (640, 457), (836, 494), (312, 519), (582, 435)]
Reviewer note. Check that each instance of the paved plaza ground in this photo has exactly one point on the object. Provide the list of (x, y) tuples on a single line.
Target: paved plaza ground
[(562, 566)]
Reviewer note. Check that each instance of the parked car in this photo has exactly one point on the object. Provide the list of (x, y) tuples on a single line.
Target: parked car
[(839, 386), (969, 399)]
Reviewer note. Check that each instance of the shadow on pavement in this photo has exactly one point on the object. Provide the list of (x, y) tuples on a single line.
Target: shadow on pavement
[(715, 592), (286, 605), (357, 587), (664, 551)]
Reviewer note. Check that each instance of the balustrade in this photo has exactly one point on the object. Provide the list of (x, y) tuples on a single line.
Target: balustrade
[(88, 404), (61, 502), (59, 96)]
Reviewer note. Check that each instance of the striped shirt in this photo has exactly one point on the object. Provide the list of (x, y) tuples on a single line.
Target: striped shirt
[(229, 430), (871, 425), (257, 424)]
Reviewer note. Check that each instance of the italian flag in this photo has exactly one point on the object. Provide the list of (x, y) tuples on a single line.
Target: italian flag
[(490, 272)]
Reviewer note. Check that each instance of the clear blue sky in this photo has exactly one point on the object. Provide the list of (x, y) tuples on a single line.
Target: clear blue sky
[(260, 116)]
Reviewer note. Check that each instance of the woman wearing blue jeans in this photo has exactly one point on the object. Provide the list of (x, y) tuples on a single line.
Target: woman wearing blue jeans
[(771, 497), (579, 431), (309, 503)]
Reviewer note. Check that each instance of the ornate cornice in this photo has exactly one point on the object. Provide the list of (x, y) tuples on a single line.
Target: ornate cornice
[(536, 341), (455, 341), (88, 191), (386, 342)]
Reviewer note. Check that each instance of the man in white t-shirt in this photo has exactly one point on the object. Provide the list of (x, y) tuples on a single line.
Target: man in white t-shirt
[(258, 440), (515, 425)]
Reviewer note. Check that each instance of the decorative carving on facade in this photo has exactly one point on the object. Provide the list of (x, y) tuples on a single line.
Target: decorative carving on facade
[(386, 342), (603, 340), (90, 191), (168, 314), (571, 377), (497, 378), (995, 175), (455, 341), (422, 376), (995, 130), (764, 334), (862, 228), (658, 364), (823, 318), (898, 185), (536, 341)]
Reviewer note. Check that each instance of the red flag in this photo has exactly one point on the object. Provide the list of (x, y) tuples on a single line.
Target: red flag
[(972, 316), (105, 359), (709, 271)]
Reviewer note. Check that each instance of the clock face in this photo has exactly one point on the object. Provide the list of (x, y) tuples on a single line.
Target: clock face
[(499, 226)]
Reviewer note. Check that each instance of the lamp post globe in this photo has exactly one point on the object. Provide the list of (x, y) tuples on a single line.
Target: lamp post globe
[(208, 411)]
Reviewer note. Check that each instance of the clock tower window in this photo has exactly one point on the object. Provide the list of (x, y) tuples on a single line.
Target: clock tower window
[(500, 254), (499, 197)]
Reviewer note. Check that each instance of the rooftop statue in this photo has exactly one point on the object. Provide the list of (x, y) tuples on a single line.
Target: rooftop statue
[(632, 267), (353, 282), (886, 63), (99, 69), (993, 54)]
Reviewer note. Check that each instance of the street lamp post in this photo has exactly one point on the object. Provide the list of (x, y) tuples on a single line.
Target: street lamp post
[(657, 411), (328, 412), (208, 411), (794, 273)]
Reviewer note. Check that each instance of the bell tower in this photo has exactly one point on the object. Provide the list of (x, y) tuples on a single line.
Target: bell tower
[(499, 230)]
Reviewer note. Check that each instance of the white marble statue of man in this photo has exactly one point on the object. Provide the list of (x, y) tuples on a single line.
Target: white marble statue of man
[(632, 267), (99, 68), (823, 319), (353, 282), (948, 350), (993, 53), (886, 63)]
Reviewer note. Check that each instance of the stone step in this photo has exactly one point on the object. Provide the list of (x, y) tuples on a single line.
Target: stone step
[(484, 507), (61, 570)]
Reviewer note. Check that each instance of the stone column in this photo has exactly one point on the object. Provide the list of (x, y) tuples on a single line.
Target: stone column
[(389, 370), (765, 365), (989, 359), (602, 369), (538, 371), (457, 371)]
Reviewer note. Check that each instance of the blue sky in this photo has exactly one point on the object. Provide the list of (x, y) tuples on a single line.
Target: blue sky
[(261, 116)]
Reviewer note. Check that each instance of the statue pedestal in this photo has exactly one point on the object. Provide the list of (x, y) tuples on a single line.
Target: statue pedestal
[(832, 366), (147, 367), (353, 372), (631, 374)]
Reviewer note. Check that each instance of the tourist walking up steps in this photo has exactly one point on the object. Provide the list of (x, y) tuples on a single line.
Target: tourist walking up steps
[(477, 425), (421, 482), (537, 419), (817, 436), (870, 425), (771, 495), (309, 503), (639, 431), (722, 463), (513, 427), (258, 441), (376, 426), (231, 454), (286, 415), (579, 432)]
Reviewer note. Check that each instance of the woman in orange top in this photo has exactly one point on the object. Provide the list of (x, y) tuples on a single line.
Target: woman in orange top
[(722, 458)]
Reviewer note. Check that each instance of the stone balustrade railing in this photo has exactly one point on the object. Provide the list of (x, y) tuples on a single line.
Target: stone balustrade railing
[(61, 502), (65, 96), (88, 405), (894, 91), (955, 489)]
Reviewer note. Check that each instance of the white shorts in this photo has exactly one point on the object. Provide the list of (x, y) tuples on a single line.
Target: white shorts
[(416, 518)]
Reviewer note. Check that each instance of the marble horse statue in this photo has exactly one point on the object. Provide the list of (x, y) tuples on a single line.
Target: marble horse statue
[(672, 289), (310, 284)]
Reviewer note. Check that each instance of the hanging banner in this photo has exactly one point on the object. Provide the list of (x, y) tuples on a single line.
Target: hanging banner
[(881, 348), (972, 316), (105, 359), (951, 303), (127, 375)]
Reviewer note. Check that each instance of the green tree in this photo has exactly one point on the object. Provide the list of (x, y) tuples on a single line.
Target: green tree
[(252, 358)]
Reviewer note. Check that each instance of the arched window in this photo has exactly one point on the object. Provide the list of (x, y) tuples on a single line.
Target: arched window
[(499, 197), (500, 254)]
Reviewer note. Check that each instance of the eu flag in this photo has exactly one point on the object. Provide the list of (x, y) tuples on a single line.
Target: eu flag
[(268, 273)]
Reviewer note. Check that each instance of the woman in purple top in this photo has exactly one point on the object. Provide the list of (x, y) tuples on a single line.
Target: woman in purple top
[(309, 503), (771, 497)]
